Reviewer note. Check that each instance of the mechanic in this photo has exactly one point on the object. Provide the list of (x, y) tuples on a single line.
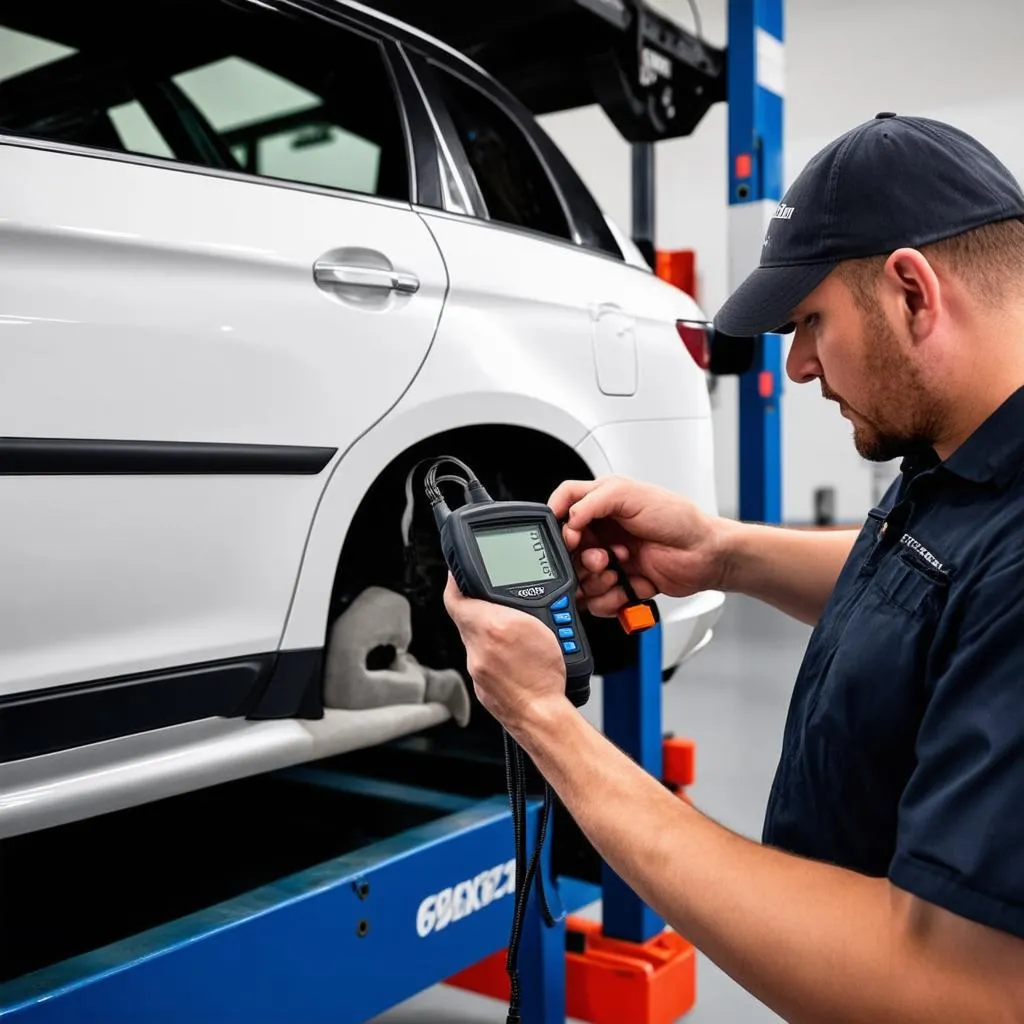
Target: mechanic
[(889, 883)]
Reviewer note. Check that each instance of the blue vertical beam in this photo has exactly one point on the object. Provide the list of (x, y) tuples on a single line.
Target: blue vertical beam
[(755, 106), (542, 952), (632, 721)]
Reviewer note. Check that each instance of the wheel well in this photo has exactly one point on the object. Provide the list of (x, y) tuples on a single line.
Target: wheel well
[(511, 462)]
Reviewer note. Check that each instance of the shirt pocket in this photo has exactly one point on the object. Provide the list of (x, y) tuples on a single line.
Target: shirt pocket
[(912, 584), (873, 688)]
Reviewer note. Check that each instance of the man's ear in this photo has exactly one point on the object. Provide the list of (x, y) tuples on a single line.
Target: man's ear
[(912, 283)]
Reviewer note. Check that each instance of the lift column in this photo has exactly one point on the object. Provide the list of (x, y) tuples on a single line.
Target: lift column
[(756, 89)]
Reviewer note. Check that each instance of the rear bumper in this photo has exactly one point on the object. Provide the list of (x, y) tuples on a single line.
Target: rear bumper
[(677, 454)]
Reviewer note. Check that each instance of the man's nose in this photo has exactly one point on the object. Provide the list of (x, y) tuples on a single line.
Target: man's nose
[(802, 364)]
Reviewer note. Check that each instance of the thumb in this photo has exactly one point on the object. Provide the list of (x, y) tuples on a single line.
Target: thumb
[(609, 500), (454, 599)]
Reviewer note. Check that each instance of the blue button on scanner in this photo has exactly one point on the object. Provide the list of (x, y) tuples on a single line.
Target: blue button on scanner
[(569, 646), (562, 617), (566, 633), (562, 602)]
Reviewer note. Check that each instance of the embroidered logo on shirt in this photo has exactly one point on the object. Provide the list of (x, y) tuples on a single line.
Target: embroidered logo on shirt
[(919, 548)]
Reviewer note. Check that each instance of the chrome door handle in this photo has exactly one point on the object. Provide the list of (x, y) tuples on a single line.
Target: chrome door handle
[(325, 273)]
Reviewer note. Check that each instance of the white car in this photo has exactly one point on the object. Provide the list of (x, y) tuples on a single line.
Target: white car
[(255, 262)]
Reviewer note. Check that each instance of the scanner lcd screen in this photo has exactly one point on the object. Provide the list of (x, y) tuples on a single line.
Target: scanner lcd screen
[(515, 554)]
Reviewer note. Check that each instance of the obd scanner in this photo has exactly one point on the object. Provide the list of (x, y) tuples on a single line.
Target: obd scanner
[(512, 553)]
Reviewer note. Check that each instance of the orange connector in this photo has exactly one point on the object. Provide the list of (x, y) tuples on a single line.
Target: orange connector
[(608, 981), (634, 618)]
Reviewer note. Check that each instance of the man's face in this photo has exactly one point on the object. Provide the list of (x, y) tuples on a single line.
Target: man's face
[(865, 366)]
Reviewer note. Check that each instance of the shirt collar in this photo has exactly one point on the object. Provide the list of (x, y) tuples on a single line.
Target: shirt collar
[(995, 451)]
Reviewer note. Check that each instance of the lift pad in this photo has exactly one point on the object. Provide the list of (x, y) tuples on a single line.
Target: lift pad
[(609, 981), (654, 79)]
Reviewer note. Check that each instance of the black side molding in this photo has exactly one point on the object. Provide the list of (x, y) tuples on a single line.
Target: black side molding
[(45, 456), (293, 689), (265, 686)]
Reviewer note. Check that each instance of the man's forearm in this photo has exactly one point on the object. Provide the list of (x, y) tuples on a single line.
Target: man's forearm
[(814, 942), (793, 570)]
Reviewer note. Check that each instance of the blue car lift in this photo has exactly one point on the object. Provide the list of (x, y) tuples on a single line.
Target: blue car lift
[(352, 935), (323, 893)]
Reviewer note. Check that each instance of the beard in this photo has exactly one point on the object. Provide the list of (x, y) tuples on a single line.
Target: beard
[(900, 417)]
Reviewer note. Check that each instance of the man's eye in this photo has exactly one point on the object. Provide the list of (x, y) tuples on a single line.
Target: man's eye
[(811, 320)]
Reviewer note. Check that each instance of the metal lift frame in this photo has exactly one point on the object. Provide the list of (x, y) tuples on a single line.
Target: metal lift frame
[(353, 936)]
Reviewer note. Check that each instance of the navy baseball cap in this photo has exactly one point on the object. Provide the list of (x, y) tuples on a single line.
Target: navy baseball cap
[(888, 183)]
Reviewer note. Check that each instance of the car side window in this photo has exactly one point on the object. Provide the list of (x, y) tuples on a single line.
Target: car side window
[(511, 178), (277, 127), (250, 91)]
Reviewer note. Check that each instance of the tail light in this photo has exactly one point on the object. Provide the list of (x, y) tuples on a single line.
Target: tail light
[(696, 336)]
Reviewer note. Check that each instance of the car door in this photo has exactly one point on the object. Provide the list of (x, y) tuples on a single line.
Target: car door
[(552, 268), (212, 283)]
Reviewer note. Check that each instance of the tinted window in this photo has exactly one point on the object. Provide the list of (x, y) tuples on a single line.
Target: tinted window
[(216, 86), (511, 178)]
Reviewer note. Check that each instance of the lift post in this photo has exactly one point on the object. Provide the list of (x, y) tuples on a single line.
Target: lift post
[(756, 90)]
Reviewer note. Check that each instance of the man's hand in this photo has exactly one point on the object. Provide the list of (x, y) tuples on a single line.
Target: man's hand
[(513, 659), (667, 545), (664, 543)]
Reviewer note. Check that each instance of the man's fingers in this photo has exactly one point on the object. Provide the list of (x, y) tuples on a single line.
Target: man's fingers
[(452, 596), (600, 583), (566, 494), (463, 610), (580, 502), (605, 596), (594, 560), (605, 501), (607, 605)]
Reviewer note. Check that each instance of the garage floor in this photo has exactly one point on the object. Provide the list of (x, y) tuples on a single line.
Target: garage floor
[(732, 700)]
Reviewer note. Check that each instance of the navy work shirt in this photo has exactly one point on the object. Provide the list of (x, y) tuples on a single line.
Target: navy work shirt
[(903, 753)]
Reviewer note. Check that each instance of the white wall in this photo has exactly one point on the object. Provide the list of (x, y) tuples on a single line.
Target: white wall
[(845, 61)]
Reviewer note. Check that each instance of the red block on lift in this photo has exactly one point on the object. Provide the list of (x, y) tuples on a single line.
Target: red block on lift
[(678, 758), (608, 981)]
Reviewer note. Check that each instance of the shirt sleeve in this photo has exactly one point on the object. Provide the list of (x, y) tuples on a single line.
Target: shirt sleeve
[(960, 834)]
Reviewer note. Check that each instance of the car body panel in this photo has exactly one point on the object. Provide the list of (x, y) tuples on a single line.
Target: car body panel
[(516, 345), (179, 307)]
